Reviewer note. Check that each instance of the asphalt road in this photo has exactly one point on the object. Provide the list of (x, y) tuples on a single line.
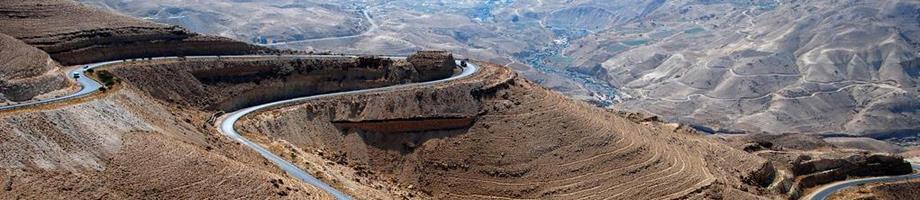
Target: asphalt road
[(826, 191), (226, 126), (88, 86)]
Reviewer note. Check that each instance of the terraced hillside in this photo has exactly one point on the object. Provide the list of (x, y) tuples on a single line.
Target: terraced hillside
[(74, 34), (27, 72), (523, 142)]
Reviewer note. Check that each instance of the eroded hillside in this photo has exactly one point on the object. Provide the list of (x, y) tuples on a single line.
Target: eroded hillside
[(27, 72)]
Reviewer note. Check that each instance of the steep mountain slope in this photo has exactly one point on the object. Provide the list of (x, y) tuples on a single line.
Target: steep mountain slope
[(26, 72), (815, 66), (75, 34)]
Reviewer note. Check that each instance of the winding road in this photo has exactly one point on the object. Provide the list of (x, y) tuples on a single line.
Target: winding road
[(88, 86), (226, 122), (226, 126), (826, 191)]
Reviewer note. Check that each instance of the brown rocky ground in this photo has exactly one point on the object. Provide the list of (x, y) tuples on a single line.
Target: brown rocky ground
[(525, 142), (74, 34), (805, 162), (904, 190), (27, 72)]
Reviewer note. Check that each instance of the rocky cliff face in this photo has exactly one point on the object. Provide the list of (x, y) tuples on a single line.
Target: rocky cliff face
[(74, 34), (27, 72)]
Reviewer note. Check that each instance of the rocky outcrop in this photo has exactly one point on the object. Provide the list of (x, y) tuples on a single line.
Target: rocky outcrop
[(433, 63), (813, 171), (74, 34), (856, 164), (26, 72)]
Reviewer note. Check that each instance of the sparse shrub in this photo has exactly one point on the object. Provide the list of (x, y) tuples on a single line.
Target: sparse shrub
[(373, 61), (107, 78)]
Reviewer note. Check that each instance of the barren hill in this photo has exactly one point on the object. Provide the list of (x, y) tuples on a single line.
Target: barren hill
[(75, 34), (27, 72)]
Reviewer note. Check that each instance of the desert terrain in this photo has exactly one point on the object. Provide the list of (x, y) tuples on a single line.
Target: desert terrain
[(152, 131)]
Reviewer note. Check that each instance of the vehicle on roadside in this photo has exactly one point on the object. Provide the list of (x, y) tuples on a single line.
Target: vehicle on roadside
[(76, 75)]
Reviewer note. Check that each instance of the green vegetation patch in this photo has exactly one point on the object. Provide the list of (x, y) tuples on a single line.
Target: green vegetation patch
[(635, 42), (108, 79)]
